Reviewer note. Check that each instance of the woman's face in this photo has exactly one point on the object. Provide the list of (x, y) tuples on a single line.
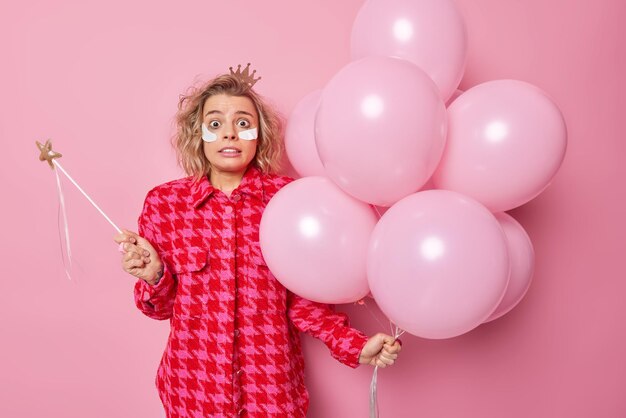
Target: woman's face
[(225, 117)]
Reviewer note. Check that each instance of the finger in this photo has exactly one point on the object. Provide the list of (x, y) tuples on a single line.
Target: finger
[(136, 271), (128, 257), (133, 237), (387, 339), (131, 255), (125, 237), (380, 363), (145, 245), (387, 361), (120, 238), (395, 343), (393, 349), (132, 264), (136, 249), (389, 355)]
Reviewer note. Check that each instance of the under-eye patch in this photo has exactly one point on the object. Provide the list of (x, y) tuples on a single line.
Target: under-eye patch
[(208, 136), (249, 134)]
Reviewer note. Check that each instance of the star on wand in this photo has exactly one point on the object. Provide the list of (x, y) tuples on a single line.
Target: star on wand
[(46, 152)]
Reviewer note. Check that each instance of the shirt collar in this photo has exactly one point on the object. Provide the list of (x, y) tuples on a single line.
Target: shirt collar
[(250, 185)]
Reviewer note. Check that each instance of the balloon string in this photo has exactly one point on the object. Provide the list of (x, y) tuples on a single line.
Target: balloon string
[(65, 227), (396, 332), (372, 313), (374, 413)]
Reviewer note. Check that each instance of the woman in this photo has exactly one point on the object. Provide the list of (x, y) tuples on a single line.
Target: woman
[(234, 345)]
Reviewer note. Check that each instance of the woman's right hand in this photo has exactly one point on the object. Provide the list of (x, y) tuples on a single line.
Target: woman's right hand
[(140, 258)]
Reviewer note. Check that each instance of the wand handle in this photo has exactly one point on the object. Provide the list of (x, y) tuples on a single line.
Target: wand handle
[(86, 195)]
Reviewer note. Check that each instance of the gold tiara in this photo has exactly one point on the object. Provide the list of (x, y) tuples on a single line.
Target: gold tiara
[(244, 76)]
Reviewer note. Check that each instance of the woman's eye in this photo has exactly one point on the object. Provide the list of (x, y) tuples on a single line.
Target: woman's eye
[(242, 123), (214, 124)]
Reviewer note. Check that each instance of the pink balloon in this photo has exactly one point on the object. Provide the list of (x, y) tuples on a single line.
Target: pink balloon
[(522, 261), (380, 129), (300, 137), (314, 239), (506, 141), (429, 33), (438, 264)]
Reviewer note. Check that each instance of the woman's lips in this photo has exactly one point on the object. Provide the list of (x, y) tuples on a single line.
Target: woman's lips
[(229, 152)]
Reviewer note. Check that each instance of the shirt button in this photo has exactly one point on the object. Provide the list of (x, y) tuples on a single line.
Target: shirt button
[(241, 411), (228, 209), (238, 372), (236, 333), (236, 197)]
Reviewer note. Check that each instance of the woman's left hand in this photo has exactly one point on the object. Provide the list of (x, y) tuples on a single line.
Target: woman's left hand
[(380, 350)]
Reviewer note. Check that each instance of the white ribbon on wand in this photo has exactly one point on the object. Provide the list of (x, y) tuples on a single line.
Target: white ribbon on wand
[(47, 154)]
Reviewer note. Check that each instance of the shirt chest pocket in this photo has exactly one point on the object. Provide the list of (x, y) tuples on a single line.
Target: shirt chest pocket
[(190, 265), (267, 294)]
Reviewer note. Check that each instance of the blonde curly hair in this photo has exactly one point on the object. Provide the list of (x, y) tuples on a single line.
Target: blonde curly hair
[(188, 138)]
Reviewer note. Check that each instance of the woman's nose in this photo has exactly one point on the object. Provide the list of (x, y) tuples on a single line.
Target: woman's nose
[(229, 133)]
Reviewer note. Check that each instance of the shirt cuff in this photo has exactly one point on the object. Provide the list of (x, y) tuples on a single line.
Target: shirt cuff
[(148, 291), (352, 343)]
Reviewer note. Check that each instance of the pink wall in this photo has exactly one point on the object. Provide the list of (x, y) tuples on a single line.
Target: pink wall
[(102, 80)]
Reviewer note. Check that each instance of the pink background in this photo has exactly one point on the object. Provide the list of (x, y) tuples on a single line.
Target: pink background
[(102, 80)]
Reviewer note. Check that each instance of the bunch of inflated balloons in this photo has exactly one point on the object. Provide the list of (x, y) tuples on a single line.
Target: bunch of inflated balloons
[(444, 257)]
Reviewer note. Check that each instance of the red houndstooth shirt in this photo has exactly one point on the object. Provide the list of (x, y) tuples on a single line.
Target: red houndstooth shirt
[(234, 344)]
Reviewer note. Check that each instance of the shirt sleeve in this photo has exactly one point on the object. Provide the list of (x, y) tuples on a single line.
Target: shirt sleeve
[(332, 328), (155, 301)]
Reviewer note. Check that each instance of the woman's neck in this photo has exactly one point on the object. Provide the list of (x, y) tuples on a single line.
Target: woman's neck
[(225, 181)]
